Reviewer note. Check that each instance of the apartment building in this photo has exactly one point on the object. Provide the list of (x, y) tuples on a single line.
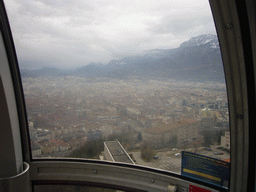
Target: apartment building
[(182, 130)]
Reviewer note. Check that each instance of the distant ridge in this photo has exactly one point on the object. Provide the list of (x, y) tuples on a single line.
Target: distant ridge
[(197, 59), (44, 72)]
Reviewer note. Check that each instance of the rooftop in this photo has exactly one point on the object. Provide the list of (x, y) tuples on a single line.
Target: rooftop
[(118, 152)]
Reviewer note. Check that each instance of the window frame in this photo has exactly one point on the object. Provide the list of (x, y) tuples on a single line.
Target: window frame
[(239, 61)]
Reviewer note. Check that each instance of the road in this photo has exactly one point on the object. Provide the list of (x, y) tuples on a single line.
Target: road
[(165, 161)]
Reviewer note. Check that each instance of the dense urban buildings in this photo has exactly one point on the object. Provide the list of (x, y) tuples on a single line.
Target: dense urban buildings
[(69, 113)]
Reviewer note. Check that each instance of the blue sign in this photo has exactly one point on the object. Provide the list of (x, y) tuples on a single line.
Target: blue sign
[(205, 168)]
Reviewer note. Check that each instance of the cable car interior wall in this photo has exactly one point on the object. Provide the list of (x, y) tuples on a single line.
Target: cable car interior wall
[(20, 171)]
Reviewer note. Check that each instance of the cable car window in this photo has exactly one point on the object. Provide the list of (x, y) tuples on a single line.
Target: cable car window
[(137, 82)]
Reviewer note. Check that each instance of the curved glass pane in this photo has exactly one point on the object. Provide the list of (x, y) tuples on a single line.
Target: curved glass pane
[(138, 82)]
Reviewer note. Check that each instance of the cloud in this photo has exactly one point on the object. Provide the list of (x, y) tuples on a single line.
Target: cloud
[(189, 20), (178, 25), (78, 32)]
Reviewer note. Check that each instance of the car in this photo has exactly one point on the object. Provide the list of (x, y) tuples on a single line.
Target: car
[(177, 154), (208, 149), (174, 149), (156, 157)]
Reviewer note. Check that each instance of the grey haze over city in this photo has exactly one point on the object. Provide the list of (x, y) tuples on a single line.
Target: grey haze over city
[(142, 77), (71, 34)]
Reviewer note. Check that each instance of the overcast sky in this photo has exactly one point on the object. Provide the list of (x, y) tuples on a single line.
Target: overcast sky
[(71, 33)]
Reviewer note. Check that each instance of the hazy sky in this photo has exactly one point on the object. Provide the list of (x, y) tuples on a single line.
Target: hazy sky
[(69, 33)]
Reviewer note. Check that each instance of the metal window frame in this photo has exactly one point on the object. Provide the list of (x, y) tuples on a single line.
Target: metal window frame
[(234, 20)]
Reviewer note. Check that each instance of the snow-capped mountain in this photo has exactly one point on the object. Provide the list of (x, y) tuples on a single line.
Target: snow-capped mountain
[(202, 40), (197, 59)]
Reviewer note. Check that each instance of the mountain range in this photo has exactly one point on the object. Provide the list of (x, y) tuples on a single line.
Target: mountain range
[(198, 59)]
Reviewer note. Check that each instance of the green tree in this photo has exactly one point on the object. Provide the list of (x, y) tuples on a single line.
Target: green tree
[(91, 149), (208, 139), (139, 136), (147, 153)]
